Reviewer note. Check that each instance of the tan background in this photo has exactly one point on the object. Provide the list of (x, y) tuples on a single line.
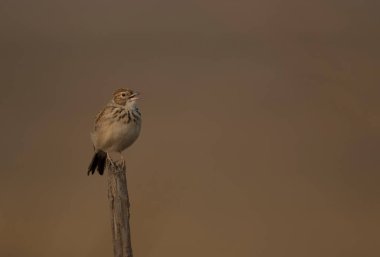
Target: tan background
[(261, 128)]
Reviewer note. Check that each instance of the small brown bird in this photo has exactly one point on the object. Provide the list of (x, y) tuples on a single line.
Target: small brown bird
[(117, 127)]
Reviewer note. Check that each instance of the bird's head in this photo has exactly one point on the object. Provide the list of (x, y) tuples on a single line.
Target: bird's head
[(125, 96)]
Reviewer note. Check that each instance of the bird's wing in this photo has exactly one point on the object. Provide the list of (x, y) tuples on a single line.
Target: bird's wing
[(105, 115)]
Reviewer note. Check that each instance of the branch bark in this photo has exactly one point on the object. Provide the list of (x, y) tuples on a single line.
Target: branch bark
[(119, 205)]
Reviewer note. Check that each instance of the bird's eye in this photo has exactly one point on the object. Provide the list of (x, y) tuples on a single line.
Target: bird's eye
[(123, 94)]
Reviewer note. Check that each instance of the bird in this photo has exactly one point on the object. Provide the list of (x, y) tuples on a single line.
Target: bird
[(116, 128)]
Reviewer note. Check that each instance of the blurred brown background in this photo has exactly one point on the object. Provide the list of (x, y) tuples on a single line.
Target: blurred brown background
[(261, 128)]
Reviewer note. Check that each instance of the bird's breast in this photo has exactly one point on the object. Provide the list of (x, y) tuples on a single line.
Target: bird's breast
[(117, 134), (124, 135)]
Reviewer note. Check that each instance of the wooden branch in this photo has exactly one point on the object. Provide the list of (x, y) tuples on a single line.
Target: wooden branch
[(119, 206)]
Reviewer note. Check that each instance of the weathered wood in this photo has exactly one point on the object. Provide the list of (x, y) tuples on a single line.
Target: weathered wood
[(119, 206)]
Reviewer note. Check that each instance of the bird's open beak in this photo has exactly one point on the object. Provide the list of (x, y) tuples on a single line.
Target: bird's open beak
[(134, 96)]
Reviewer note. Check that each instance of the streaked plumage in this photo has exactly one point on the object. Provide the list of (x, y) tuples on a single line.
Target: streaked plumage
[(116, 128)]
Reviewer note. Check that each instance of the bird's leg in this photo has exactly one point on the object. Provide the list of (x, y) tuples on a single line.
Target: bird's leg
[(110, 160), (122, 160)]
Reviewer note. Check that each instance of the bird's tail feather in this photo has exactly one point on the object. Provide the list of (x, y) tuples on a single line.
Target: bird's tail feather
[(98, 162)]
